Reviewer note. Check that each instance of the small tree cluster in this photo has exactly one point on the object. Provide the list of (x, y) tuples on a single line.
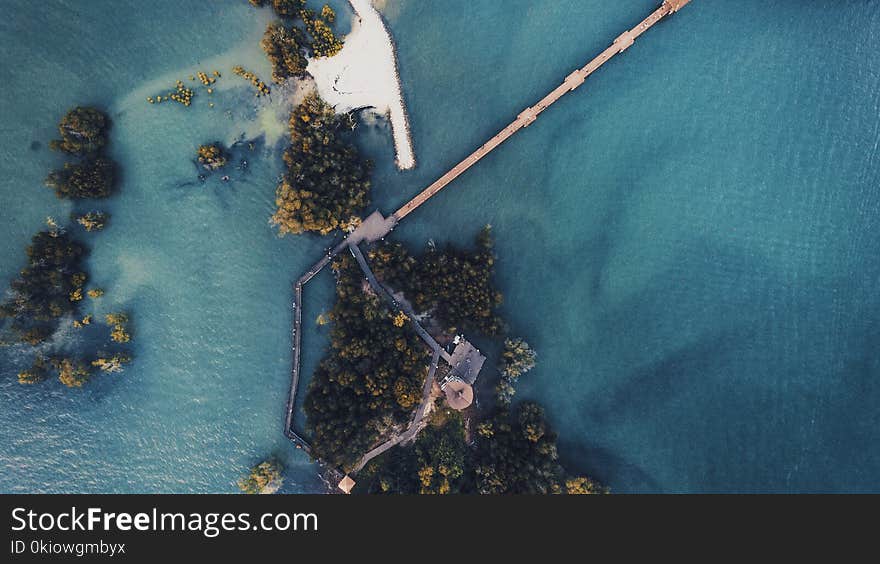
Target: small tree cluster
[(324, 42), (83, 135), (118, 323), (92, 221), (517, 358), (287, 46), (264, 478), (212, 156)]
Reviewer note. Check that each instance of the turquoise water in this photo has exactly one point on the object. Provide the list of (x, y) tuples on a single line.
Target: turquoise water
[(689, 240)]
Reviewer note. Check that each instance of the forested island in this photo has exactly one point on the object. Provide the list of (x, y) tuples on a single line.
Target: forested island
[(327, 182), (367, 385)]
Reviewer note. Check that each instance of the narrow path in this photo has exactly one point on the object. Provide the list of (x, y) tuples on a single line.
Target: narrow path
[(296, 347), (416, 424)]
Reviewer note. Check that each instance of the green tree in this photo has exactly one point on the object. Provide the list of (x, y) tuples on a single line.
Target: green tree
[(370, 379), (42, 293), (212, 156), (83, 131), (264, 478), (288, 8), (517, 358), (324, 42), (285, 46), (327, 183), (91, 178), (453, 284)]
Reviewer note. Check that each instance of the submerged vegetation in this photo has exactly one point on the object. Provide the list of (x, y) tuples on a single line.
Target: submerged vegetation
[(48, 291), (264, 478), (327, 183), (184, 95), (212, 156), (112, 363), (118, 322), (262, 89), (38, 371), (92, 221)]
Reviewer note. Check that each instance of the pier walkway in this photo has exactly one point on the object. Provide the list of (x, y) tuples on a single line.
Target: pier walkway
[(529, 115)]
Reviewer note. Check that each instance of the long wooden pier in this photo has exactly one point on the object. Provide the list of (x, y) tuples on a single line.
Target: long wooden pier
[(623, 42), (376, 227)]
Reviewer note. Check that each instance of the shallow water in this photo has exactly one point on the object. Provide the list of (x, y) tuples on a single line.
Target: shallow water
[(688, 240)]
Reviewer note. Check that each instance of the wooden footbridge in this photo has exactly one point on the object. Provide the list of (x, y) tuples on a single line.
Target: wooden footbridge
[(376, 226), (529, 115)]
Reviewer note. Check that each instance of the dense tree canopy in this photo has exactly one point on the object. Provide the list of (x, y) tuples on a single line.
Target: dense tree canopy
[(285, 41), (370, 379), (517, 358), (288, 8), (516, 453), (264, 478), (324, 43), (83, 131), (453, 283), (84, 135), (285, 45), (89, 178), (44, 290), (438, 463), (327, 183)]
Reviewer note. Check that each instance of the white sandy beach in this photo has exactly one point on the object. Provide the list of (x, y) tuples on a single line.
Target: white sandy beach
[(364, 75)]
